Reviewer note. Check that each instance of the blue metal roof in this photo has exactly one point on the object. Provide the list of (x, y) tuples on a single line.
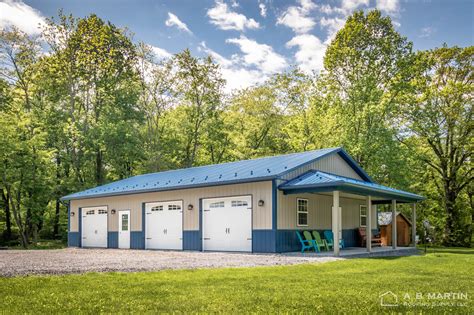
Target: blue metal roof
[(317, 181), (227, 173)]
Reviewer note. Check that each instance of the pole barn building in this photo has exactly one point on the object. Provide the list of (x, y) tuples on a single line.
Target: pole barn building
[(246, 206)]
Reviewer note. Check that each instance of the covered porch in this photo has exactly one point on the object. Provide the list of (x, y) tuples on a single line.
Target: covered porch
[(360, 252), (319, 182)]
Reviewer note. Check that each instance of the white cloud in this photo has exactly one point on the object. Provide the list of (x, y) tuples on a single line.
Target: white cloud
[(236, 74), (426, 32), (350, 5), (327, 9), (161, 53), (234, 4), (261, 56), (21, 15), (310, 52), (297, 17), (225, 19), (173, 20), (388, 6), (333, 25), (263, 9)]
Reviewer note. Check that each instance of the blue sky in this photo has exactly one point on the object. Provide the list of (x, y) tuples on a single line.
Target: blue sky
[(253, 39)]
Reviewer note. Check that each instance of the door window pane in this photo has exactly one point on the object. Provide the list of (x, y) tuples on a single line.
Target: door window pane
[(239, 203), (124, 222)]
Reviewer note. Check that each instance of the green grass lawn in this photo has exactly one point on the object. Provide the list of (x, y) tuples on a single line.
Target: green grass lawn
[(346, 286)]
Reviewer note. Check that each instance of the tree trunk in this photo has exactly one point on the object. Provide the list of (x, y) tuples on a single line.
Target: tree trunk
[(58, 190), (17, 217), (7, 234), (56, 219), (99, 175)]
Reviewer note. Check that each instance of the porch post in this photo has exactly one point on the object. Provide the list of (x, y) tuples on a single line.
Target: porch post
[(394, 224), (413, 226), (368, 228), (335, 221)]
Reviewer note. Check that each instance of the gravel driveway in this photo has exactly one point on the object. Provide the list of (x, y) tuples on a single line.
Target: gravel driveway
[(76, 260)]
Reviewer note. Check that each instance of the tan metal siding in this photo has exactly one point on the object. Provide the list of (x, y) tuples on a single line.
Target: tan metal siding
[(262, 216), (333, 163), (319, 212)]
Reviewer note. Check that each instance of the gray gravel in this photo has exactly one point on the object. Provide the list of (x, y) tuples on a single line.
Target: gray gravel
[(76, 260)]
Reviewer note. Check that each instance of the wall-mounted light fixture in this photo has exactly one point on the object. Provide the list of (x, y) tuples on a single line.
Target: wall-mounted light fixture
[(112, 211), (261, 203), (190, 207), (72, 214)]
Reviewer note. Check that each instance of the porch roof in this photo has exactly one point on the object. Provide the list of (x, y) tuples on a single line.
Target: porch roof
[(317, 181)]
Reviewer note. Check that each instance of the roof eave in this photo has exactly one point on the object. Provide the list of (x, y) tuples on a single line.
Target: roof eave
[(142, 191), (349, 187)]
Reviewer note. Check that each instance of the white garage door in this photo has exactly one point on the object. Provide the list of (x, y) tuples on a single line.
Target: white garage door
[(227, 224), (94, 227), (164, 225)]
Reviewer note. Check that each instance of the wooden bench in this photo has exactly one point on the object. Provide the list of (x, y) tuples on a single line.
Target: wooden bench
[(376, 240)]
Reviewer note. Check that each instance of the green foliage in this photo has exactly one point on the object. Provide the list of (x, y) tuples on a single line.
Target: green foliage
[(438, 114), (304, 288), (98, 107), (366, 67)]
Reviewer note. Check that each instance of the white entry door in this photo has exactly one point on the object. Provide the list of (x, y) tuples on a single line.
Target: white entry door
[(94, 227), (124, 229), (164, 225), (227, 224)]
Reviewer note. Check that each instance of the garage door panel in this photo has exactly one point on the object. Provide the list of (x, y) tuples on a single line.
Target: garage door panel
[(164, 225), (94, 227), (227, 224)]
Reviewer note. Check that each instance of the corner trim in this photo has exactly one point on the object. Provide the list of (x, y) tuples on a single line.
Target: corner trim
[(80, 226), (143, 226)]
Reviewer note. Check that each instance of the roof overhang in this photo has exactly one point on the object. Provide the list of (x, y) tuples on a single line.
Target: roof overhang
[(317, 182), (152, 190)]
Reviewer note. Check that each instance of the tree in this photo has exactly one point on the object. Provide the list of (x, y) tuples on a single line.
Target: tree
[(24, 156), (199, 91), (439, 113), (157, 96), (366, 67)]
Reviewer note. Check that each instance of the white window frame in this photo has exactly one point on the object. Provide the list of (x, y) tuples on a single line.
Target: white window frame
[(298, 211), (361, 216)]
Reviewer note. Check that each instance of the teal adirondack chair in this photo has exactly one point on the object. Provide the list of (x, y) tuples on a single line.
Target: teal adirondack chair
[(320, 242), (309, 238), (330, 239), (305, 244)]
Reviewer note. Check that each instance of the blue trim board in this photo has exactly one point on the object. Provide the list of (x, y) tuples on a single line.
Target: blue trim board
[(143, 223), (192, 240), (68, 216), (263, 241), (274, 204), (112, 239), (79, 218), (73, 239), (137, 240)]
